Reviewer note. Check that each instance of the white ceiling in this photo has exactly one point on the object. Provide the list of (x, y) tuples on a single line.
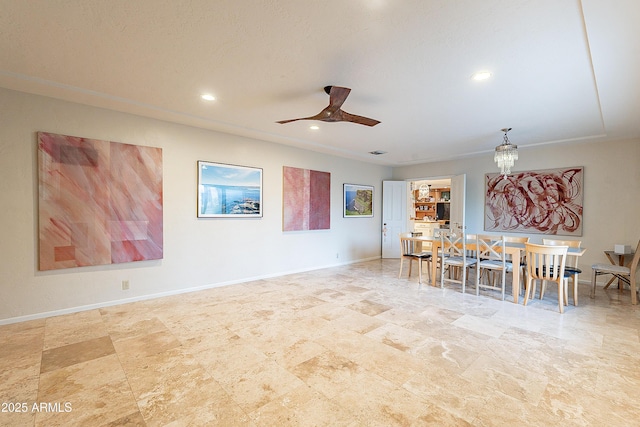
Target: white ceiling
[(563, 70)]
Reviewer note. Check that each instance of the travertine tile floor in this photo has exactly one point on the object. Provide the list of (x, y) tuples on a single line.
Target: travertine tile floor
[(345, 346)]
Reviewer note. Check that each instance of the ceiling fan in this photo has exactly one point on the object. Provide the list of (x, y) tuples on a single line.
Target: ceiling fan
[(333, 113)]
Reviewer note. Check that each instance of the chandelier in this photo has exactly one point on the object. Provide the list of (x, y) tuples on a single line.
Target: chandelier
[(506, 154)]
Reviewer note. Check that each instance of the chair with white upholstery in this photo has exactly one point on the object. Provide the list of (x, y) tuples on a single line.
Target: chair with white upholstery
[(625, 274), (546, 263)]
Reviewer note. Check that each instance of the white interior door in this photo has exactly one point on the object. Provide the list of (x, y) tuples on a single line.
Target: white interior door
[(394, 216), (458, 193)]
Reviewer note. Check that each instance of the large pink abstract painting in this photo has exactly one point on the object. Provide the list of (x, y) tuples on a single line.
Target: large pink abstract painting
[(100, 202), (541, 202), (306, 199)]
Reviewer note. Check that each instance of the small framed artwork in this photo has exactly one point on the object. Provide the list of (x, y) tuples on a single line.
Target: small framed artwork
[(358, 201), (229, 191)]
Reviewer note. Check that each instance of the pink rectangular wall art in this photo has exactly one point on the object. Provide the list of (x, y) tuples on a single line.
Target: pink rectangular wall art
[(306, 199), (539, 202), (100, 202)]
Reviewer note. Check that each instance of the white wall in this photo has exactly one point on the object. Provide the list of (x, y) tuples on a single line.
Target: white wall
[(611, 189), (197, 252)]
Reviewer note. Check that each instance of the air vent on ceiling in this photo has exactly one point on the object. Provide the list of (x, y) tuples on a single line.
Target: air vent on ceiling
[(377, 152)]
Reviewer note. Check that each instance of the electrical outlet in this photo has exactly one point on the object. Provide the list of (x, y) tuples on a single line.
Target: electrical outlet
[(125, 285)]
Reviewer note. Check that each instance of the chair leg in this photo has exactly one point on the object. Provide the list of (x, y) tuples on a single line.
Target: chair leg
[(533, 288), (594, 274), (464, 277), (575, 290), (561, 291), (527, 289), (400, 273), (632, 283)]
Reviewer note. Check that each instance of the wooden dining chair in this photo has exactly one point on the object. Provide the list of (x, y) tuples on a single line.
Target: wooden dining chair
[(572, 264), (625, 274), (453, 256), (546, 263), (411, 252), (491, 255)]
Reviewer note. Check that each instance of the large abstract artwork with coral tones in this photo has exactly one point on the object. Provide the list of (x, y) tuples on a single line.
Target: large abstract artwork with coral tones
[(100, 202), (306, 199), (535, 202)]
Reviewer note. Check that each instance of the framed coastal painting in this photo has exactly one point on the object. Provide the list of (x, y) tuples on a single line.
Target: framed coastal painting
[(229, 191), (358, 201), (546, 201)]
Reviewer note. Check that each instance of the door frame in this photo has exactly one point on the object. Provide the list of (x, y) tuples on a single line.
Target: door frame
[(431, 178)]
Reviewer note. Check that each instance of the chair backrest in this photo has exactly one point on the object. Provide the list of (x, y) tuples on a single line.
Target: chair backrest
[(514, 239), (452, 243), (490, 247), (406, 244), (569, 243), (543, 261)]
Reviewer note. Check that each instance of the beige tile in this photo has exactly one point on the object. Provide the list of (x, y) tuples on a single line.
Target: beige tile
[(302, 407), (259, 385), (398, 337), (298, 352), (329, 373), (376, 401), (94, 392), (20, 356), (73, 328), (507, 378), (146, 345), (345, 318), (235, 357), (370, 308), (71, 354), (192, 397)]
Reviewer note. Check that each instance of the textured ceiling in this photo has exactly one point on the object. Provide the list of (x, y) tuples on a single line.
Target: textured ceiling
[(563, 70)]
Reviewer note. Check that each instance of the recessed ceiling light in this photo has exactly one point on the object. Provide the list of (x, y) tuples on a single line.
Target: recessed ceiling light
[(481, 75), (208, 97), (377, 152), (314, 127)]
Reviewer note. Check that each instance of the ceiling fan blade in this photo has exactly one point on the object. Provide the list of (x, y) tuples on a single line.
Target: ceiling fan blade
[(319, 116), (337, 96), (346, 117), (290, 120)]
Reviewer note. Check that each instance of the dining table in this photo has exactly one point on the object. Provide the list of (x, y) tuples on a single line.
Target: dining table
[(514, 249)]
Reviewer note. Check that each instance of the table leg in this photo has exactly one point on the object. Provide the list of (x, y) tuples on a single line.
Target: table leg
[(434, 262), (515, 290)]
